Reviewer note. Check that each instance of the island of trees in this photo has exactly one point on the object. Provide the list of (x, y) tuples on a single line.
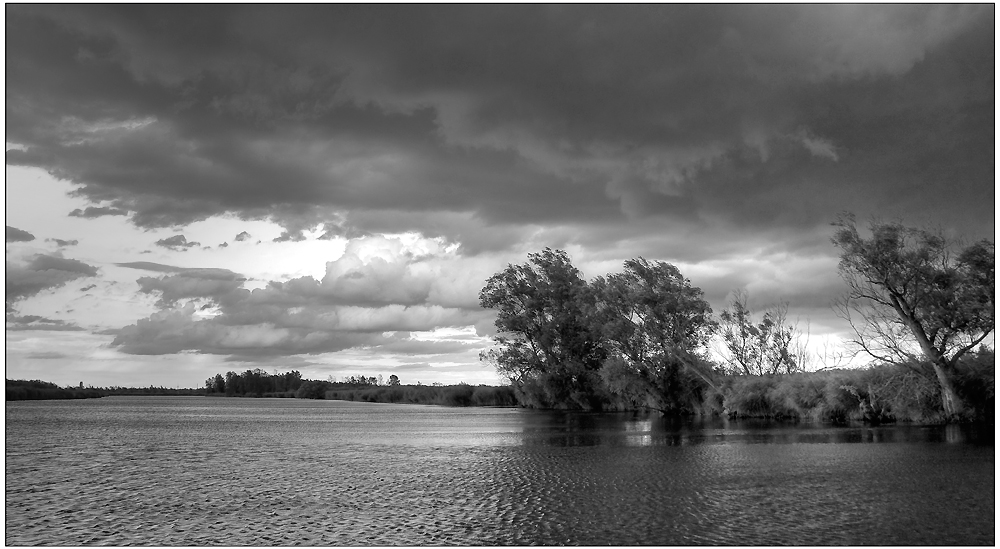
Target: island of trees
[(639, 338)]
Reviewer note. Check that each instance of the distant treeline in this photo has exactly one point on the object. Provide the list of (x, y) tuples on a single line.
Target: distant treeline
[(259, 383), (35, 389), (19, 389)]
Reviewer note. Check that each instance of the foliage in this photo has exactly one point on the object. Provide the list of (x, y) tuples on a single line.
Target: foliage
[(442, 395), (628, 339), (910, 296), (546, 342), (758, 348), (256, 383), (653, 322), (877, 394)]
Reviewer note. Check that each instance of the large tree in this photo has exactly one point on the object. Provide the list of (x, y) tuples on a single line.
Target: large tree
[(544, 330), (654, 323), (909, 294)]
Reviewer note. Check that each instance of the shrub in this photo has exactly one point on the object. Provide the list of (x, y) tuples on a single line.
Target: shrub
[(485, 395)]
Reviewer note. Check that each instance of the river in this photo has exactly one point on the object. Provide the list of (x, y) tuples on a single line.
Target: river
[(231, 471)]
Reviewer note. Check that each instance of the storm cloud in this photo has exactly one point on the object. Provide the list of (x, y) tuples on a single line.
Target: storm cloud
[(744, 116)]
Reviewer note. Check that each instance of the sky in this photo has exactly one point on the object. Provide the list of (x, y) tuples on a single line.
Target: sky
[(325, 188)]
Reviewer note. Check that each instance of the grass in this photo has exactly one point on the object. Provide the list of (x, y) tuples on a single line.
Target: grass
[(448, 395)]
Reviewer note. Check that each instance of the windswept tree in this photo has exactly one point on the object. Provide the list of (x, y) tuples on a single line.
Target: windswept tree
[(909, 295), (757, 348), (545, 339), (654, 323)]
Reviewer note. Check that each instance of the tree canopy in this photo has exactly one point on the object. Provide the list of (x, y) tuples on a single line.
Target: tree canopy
[(910, 294), (544, 333), (556, 332)]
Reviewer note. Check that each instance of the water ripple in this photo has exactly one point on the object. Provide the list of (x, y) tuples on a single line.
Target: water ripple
[(227, 472)]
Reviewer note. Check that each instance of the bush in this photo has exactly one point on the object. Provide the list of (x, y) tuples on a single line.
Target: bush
[(975, 384), (485, 395), (456, 395)]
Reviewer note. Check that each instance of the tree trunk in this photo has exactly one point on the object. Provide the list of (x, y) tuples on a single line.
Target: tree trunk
[(950, 401)]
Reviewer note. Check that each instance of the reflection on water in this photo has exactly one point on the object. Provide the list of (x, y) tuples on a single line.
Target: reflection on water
[(210, 471), (588, 429)]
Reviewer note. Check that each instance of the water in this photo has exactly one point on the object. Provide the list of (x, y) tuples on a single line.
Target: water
[(217, 471)]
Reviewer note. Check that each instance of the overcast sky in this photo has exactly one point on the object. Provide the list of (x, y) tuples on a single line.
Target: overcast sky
[(197, 189)]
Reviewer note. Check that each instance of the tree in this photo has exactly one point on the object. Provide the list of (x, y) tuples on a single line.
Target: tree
[(233, 384), (545, 338), (908, 295), (653, 317), (219, 384), (393, 381), (758, 348)]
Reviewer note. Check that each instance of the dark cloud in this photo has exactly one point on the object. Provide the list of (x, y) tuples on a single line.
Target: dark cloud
[(200, 272), (150, 266), (242, 236), (35, 322), (192, 283), (17, 235), (178, 243), (63, 243), (47, 355), (88, 287), (379, 117), (42, 272), (91, 212)]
